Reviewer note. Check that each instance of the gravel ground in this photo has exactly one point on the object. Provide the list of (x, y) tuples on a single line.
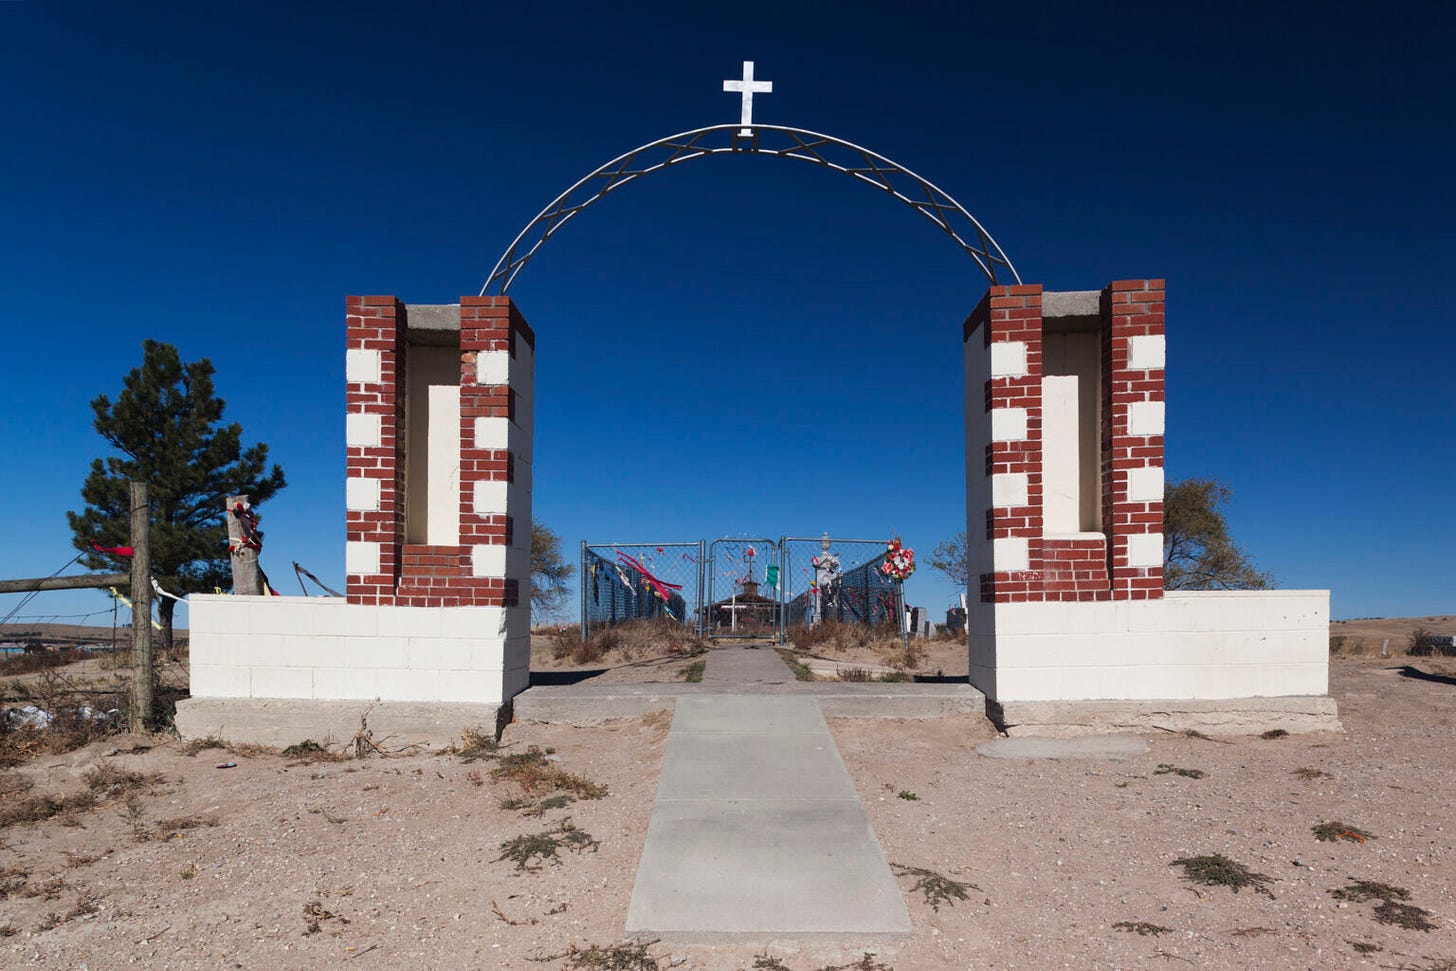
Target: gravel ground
[(395, 860)]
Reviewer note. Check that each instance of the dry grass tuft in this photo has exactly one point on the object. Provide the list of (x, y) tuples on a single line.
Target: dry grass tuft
[(108, 781), (476, 744), (655, 637), (1274, 733), (1309, 775), (1141, 928), (534, 772), (1165, 769)]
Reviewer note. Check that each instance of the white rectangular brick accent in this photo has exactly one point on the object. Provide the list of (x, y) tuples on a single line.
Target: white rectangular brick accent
[(490, 497), (1009, 489), (362, 431), (1145, 418), (1011, 554), (1146, 352), (488, 561), (492, 433), (1008, 359), (493, 367), (1145, 484), (1008, 424), (361, 558), (282, 682), (361, 495), (1145, 549), (344, 684), (363, 366)]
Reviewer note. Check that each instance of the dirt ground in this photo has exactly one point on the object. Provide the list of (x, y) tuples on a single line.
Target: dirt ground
[(397, 861)]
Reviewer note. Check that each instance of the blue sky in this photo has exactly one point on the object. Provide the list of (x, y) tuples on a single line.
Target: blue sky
[(741, 346)]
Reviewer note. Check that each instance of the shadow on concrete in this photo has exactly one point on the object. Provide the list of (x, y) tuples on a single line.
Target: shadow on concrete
[(1407, 671), (540, 678), (941, 679)]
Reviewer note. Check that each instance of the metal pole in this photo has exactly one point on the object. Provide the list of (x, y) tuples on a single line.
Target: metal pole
[(585, 615), (141, 708)]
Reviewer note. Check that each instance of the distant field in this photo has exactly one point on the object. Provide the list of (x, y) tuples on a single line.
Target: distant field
[(1365, 636), (73, 635)]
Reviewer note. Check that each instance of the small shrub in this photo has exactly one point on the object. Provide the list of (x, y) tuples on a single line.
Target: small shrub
[(1338, 644), (1218, 870), (693, 673), (855, 674), (907, 795), (476, 745), (1425, 644), (1335, 831)]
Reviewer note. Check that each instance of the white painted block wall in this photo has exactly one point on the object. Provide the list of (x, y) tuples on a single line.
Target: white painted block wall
[(1186, 646), (329, 650)]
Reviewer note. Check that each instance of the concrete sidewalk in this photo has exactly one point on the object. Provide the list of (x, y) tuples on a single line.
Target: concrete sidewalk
[(758, 833), (747, 664)]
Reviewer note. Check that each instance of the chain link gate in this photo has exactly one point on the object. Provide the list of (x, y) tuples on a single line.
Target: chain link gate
[(854, 591), (745, 589), (626, 582)]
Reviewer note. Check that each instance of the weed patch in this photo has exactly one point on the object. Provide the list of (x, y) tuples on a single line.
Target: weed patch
[(1309, 775), (632, 956), (1408, 916), (1360, 891), (1165, 769), (1274, 733), (693, 673), (476, 745), (108, 781), (1336, 831), (856, 674), (314, 916), (534, 773), (522, 850), (194, 745), (171, 828), (1141, 928), (800, 669), (908, 795), (1218, 870), (936, 888)]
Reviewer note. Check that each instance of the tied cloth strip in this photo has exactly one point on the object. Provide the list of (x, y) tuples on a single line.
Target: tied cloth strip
[(252, 538), (300, 572), (660, 587), (124, 600)]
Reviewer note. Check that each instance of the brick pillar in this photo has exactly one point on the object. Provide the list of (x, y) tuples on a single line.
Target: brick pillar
[(1133, 354), (1011, 325), (497, 370), (374, 489)]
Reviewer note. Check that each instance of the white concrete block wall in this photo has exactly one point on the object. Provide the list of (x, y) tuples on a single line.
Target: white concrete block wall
[(327, 649), (1185, 646)]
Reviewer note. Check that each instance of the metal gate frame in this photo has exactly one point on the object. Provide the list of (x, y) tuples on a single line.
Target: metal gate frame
[(696, 607), (779, 630)]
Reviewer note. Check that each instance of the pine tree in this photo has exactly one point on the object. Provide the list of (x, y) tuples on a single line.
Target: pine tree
[(167, 425)]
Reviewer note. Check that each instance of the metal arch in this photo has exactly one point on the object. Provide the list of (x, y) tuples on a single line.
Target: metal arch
[(796, 143)]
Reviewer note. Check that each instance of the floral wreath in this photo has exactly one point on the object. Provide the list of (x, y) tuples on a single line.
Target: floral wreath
[(899, 561)]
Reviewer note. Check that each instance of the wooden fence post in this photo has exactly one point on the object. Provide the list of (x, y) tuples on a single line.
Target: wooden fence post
[(247, 580), (142, 702)]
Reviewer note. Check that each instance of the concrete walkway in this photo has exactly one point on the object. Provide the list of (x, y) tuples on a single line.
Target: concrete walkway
[(758, 833), (747, 664)]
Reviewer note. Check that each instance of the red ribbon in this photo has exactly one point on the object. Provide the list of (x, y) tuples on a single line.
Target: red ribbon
[(113, 550)]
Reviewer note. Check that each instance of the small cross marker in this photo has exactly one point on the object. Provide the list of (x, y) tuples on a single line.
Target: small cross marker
[(747, 87)]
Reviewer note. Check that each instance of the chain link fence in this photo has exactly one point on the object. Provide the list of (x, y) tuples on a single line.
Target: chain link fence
[(830, 579), (622, 582)]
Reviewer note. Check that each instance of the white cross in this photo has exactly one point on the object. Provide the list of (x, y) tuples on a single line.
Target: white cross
[(747, 87)]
